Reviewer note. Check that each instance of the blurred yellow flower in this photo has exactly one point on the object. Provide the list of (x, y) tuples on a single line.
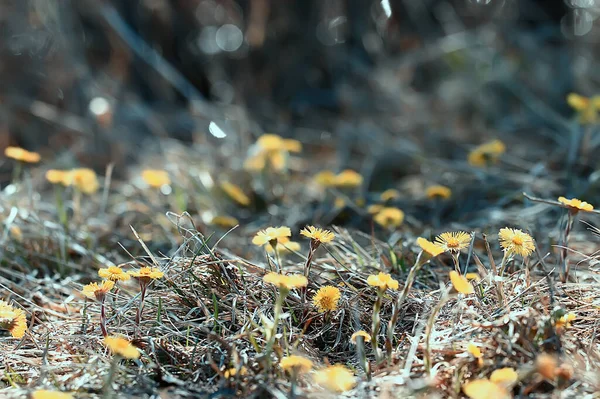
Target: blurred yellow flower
[(460, 283), (285, 282), (487, 153), (47, 394), (326, 299), (145, 274), (472, 276), (122, 347), (95, 291), (389, 194), (429, 247), (506, 376), (575, 204), (273, 150), (224, 221), (485, 389), (113, 273), (316, 234), (84, 179), (383, 281), (13, 319), (515, 241), (56, 176), (586, 107), (325, 178), (565, 321), (389, 217), (360, 333), (453, 241), (156, 178), (437, 191), (235, 193), (21, 154), (295, 364), (546, 365), (272, 236), (231, 372), (474, 350), (337, 378), (348, 178)]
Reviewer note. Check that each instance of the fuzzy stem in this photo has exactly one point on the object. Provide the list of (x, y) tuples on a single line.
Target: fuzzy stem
[(103, 318), (107, 390), (376, 324), (276, 314), (362, 356), (565, 269), (429, 330), (138, 316), (456, 262)]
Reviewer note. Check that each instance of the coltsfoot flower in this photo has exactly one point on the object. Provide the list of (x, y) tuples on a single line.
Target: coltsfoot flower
[(383, 281), (326, 299), (515, 241), (122, 347)]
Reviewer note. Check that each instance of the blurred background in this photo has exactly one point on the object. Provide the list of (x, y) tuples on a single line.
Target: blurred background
[(86, 81)]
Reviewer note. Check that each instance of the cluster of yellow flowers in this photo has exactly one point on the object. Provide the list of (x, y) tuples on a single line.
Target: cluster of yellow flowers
[(271, 151), (12, 319), (486, 154), (22, 155), (156, 178), (83, 179), (345, 179)]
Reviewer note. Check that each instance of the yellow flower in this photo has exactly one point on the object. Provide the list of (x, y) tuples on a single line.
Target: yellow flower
[(348, 178), (546, 365), (389, 194), (453, 241), (16, 233), (460, 283), (429, 247), (13, 319), (21, 154), (296, 364), (575, 204), (46, 394), (145, 274), (235, 193), (360, 333), (437, 191), (156, 178), (485, 389), (326, 299), (375, 208), (474, 350), (515, 241), (224, 221), (487, 153), (272, 236), (325, 178), (274, 150), (56, 176), (95, 291), (286, 282), (472, 276), (273, 142), (506, 376), (231, 372), (587, 108), (389, 217), (113, 273), (565, 321), (316, 234), (285, 248), (84, 179), (383, 281), (337, 378), (122, 347)]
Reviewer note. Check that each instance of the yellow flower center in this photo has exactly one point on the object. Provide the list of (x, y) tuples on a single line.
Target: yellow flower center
[(452, 243), (517, 240)]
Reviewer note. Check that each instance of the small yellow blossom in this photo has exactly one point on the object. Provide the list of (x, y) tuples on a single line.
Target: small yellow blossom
[(389, 195), (114, 273), (224, 221), (383, 281), (575, 204), (122, 347), (84, 179), (285, 248), (286, 282), (156, 178), (485, 389), (453, 241), (472, 276), (375, 208), (325, 178), (487, 153), (337, 378), (389, 217), (429, 247), (546, 365), (460, 283), (587, 107), (360, 333), (296, 364), (273, 142), (273, 150), (56, 176), (348, 178), (506, 376), (565, 321), (97, 291), (21, 154), (474, 350), (145, 274), (326, 299), (515, 241), (13, 319), (316, 234), (47, 394), (231, 372), (235, 193), (437, 191), (272, 236), (16, 233)]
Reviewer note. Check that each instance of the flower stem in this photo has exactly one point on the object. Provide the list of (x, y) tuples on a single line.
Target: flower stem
[(376, 324), (103, 318), (138, 316), (564, 265), (107, 390), (429, 330)]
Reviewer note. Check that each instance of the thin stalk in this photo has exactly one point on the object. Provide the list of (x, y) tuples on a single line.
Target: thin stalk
[(276, 315), (138, 315), (103, 318), (107, 390), (376, 324), (429, 330), (564, 265)]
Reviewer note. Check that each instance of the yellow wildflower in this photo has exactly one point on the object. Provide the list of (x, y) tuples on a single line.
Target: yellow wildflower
[(224, 221), (389, 217), (56, 176), (485, 389), (337, 378), (389, 194), (113, 273), (325, 178), (326, 299), (272, 149), (375, 208), (453, 241), (316, 234), (472, 276), (156, 178), (98, 292), (296, 364), (383, 281), (145, 274), (487, 153), (460, 283), (13, 319), (47, 394), (122, 347), (348, 178), (21, 154), (84, 179), (474, 350), (360, 333), (565, 321), (506, 376), (286, 282), (515, 241), (575, 204), (438, 191), (546, 365), (429, 247), (586, 107), (272, 236), (231, 372), (235, 193)]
